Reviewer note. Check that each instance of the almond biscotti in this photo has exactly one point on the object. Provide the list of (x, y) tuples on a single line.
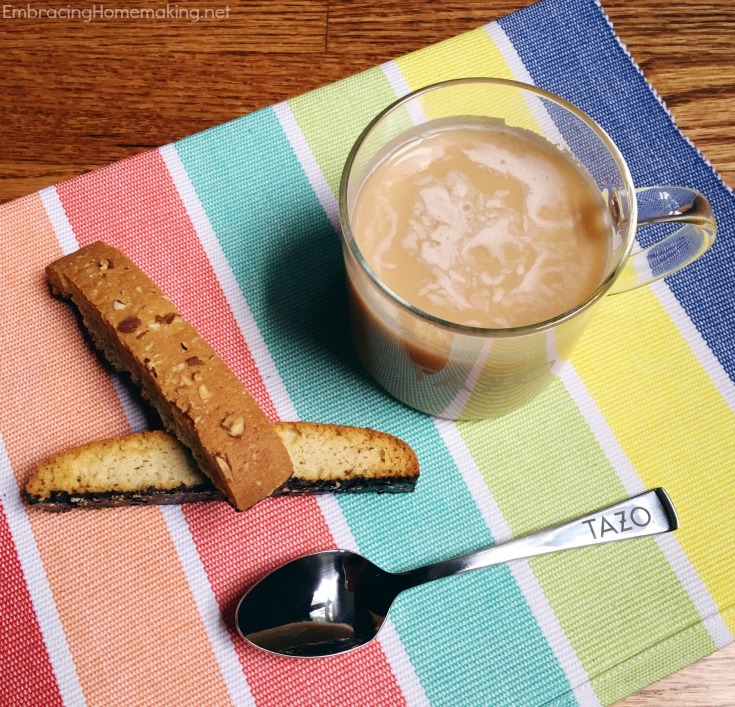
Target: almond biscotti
[(334, 457), (154, 468), (198, 397)]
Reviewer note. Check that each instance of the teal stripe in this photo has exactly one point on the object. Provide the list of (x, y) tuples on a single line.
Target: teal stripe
[(473, 639)]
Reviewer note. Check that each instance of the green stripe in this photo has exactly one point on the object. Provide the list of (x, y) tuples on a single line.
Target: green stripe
[(671, 654), (332, 117), (473, 639), (614, 601), (347, 107)]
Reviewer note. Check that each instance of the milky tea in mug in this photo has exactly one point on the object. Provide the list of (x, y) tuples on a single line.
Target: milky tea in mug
[(474, 249), (483, 225)]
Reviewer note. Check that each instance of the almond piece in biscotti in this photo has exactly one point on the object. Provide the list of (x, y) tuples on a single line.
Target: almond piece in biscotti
[(140, 331)]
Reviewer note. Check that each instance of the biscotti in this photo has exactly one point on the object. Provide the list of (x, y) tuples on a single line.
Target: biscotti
[(198, 397), (154, 468)]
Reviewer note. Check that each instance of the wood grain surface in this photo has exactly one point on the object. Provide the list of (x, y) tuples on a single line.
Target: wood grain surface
[(76, 95)]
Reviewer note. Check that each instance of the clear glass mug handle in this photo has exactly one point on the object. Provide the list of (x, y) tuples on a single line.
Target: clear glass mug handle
[(668, 204)]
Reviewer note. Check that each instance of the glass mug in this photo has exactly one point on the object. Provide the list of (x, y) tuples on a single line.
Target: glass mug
[(465, 372)]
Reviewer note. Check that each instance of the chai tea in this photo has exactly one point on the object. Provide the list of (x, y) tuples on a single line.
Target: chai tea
[(483, 225)]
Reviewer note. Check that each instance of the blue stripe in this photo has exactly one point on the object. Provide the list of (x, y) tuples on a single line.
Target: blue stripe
[(569, 48), (473, 639)]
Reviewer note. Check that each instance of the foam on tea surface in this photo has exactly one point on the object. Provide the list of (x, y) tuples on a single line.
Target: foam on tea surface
[(484, 225)]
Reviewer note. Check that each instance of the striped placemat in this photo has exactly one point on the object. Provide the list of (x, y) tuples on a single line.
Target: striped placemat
[(239, 225)]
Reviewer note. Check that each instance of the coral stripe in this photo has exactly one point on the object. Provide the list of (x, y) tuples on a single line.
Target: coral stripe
[(26, 675), (133, 205), (150, 223), (125, 611)]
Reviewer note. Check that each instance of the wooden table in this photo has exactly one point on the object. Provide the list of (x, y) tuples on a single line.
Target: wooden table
[(76, 95)]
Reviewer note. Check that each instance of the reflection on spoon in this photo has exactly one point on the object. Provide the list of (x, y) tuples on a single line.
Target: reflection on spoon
[(300, 637)]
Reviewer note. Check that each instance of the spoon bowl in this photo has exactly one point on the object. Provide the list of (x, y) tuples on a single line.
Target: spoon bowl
[(321, 604), (336, 601)]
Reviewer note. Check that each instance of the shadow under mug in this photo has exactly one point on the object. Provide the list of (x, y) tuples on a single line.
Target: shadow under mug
[(465, 372)]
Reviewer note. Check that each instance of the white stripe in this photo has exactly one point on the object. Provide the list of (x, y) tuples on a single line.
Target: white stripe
[(395, 79), (42, 598), (388, 637), (457, 404), (401, 88), (677, 558), (680, 563), (209, 609), (179, 530), (309, 165), (132, 406), (390, 642), (59, 220), (526, 580), (228, 282), (337, 522), (338, 526), (401, 665), (508, 51), (520, 73)]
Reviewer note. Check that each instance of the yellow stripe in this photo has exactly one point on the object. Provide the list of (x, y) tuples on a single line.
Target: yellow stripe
[(470, 55), (672, 422), (656, 397)]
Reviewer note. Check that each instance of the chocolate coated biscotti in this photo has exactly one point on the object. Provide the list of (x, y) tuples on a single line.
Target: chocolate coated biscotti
[(154, 468), (198, 397)]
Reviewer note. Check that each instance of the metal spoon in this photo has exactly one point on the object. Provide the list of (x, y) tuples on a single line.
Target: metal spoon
[(335, 601)]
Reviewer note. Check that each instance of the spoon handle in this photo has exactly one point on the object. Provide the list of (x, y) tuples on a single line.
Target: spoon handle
[(649, 513)]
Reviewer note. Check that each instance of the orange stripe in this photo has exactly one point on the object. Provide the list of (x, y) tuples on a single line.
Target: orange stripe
[(149, 222), (129, 617)]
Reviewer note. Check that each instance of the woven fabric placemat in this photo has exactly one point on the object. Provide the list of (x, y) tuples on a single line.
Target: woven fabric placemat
[(239, 226)]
